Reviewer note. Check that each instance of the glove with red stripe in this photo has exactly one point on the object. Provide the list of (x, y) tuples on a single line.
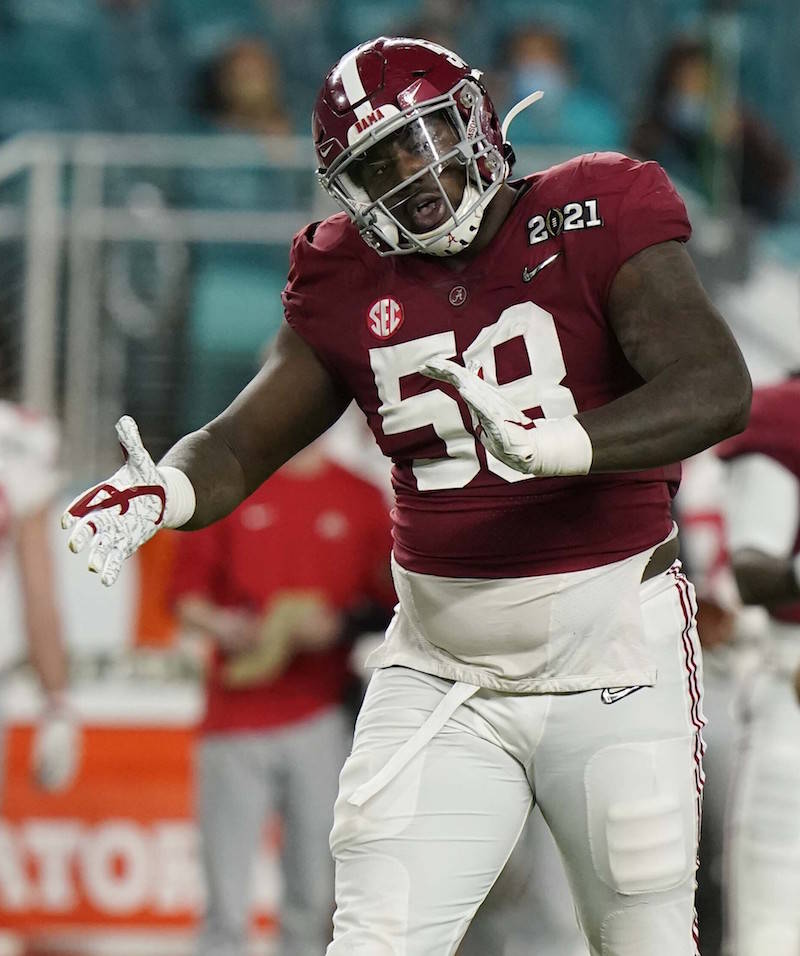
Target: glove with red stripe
[(116, 517)]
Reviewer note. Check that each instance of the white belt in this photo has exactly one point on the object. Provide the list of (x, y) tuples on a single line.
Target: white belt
[(447, 706)]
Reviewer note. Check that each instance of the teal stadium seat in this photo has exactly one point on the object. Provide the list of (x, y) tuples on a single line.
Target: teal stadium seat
[(360, 20), (204, 26), (39, 94), (235, 310)]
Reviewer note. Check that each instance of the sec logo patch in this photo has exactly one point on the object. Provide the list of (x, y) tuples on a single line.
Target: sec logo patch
[(384, 317)]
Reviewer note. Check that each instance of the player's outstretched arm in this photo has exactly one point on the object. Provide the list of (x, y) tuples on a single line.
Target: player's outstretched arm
[(291, 401), (696, 387)]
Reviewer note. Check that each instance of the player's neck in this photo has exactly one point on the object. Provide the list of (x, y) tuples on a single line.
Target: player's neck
[(494, 217)]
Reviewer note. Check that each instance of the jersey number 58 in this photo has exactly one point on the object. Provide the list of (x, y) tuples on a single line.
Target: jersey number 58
[(542, 388)]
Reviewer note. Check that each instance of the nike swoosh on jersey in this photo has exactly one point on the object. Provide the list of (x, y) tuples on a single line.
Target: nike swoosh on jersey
[(610, 695), (528, 274)]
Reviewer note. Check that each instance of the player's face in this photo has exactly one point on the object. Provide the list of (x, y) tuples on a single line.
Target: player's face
[(420, 206)]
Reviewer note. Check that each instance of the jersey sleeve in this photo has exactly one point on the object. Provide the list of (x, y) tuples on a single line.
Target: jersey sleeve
[(322, 267), (300, 293), (640, 208), (650, 212)]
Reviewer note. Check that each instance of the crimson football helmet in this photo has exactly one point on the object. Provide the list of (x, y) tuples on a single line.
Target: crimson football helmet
[(410, 145)]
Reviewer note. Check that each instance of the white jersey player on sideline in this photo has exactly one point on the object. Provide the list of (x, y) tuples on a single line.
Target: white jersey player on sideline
[(29, 478), (730, 635), (763, 826)]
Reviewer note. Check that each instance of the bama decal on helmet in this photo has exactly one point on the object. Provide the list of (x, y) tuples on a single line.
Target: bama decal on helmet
[(363, 124), (369, 119)]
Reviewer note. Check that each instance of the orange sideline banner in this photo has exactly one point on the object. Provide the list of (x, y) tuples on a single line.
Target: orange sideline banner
[(118, 849)]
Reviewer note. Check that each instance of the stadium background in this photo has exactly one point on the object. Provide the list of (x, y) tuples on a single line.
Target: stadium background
[(144, 245)]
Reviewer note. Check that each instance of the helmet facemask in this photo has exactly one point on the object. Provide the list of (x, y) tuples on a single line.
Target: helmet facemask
[(430, 161)]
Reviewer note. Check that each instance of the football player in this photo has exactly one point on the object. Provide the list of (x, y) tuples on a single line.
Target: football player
[(29, 478), (763, 517), (534, 354)]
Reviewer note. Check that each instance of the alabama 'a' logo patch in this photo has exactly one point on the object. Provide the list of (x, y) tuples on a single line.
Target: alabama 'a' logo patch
[(384, 317)]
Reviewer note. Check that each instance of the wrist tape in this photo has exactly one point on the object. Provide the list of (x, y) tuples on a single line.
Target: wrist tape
[(181, 501), (561, 447)]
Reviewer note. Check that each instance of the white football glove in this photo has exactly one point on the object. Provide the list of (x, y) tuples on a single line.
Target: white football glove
[(127, 509), (503, 428), (56, 749), (545, 447)]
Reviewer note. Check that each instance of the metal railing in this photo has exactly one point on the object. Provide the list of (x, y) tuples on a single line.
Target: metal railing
[(65, 220)]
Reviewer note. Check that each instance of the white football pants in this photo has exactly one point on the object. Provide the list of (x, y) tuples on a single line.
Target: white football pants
[(763, 846), (442, 777)]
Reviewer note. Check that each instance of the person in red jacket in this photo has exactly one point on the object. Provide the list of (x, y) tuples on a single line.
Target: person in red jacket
[(279, 586)]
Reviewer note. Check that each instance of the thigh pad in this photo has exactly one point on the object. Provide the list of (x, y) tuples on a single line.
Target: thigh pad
[(641, 803)]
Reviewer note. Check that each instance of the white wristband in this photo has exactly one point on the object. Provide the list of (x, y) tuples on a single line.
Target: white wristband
[(562, 447), (181, 500)]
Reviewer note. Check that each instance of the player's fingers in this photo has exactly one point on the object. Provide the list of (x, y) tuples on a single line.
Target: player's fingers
[(69, 517), (83, 530), (445, 370), (79, 505), (99, 552), (112, 567), (138, 457)]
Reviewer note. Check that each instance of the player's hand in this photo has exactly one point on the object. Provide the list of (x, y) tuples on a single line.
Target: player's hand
[(56, 749), (505, 430), (117, 516)]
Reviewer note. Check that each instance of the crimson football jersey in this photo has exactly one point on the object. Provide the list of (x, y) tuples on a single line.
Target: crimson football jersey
[(774, 431), (530, 309)]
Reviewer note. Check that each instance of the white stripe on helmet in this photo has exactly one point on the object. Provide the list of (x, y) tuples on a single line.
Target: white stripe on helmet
[(353, 87)]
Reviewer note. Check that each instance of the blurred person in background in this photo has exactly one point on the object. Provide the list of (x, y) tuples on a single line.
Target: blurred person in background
[(29, 479), (281, 587), (239, 90), (683, 129), (730, 635), (763, 519), (446, 22), (537, 57)]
